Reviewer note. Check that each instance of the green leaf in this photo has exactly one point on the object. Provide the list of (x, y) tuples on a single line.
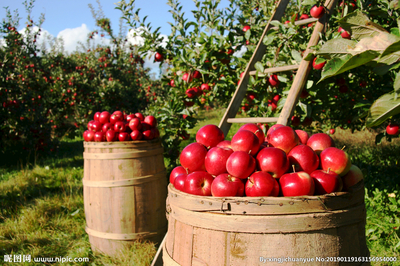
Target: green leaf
[(396, 84), (360, 26), (259, 67), (247, 34), (336, 47), (296, 56), (268, 39), (309, 2), (382, 109), (342, 64)]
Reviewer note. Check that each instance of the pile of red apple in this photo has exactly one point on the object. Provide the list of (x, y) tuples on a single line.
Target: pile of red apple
[(118, 126), (282, 162)]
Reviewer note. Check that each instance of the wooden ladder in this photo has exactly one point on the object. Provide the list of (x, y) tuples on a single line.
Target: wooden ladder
[(303, 70)]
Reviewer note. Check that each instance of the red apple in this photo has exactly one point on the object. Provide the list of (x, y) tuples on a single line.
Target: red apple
[(225, 185), (320, 141), (209, 135), (336, 160), (115, 118), (326, 182), (246, 28), (111, 135), (148, 134), (303, 136), (240, 164), (260, 184), (271, 129), (273, 80), (179, 182), (175, 172), (90, 124), (158, 57), (392, 129), (193, 156), (97, 126), (284, 138), (318, 66), (129, 117), (151, 120), (256, 130), (303, 158), (96, 116), (297, 184), (104, 117), (99, 136), (107, 126), (273, 161), (120, 126), (353, 176), (317, 11), (304, 16), (246, 141), (140, 116), (88, 135), (135, 124), (198, 183), (332, 131), (205, 87), (123, 136), (215, 161), (225, 144), (136, 135)]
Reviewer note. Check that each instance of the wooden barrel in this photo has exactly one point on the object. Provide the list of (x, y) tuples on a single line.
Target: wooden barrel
[(124, 190), (321, 230)]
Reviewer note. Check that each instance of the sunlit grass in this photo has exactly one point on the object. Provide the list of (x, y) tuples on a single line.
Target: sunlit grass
[(42, 213)]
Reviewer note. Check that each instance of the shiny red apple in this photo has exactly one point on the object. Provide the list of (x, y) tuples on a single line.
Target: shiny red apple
[(320, 141), (240, 164), (297, 184), (284, 138), (215, 161), (273, 161), (326, 182), (336, 160), (225, 185), (246, 141), (198, 183), (193, 156), (209, 135), (303, 158), (260, 184)]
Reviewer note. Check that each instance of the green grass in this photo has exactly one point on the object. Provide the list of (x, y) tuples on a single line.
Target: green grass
[(42, 214)]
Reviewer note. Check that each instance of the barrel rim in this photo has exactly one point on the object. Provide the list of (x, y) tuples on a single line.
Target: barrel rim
[(267, 205), (119, 143)]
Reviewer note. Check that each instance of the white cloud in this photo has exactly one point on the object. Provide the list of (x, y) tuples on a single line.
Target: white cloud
[(71, 37)]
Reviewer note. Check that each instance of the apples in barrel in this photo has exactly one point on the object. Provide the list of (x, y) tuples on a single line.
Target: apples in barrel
[(118, 126), (282, 162)]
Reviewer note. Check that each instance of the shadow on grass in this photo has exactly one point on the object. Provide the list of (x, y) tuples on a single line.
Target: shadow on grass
[(68, 154)]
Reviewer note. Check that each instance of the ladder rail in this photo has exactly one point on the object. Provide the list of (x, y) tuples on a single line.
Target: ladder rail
[(241, 89), (304, 68)]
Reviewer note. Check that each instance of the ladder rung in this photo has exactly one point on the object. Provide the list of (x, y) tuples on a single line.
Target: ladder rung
[(305, 21), (253, 120), (275, 70)]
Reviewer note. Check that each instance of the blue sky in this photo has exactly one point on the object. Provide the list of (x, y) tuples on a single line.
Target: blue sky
[(72, 19)]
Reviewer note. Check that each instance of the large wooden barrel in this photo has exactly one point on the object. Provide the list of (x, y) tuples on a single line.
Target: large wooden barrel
[(321, 230), (124, 189)]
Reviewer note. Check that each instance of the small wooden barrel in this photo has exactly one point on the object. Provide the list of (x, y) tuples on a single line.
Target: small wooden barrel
[(124, 190), (321, 230)]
